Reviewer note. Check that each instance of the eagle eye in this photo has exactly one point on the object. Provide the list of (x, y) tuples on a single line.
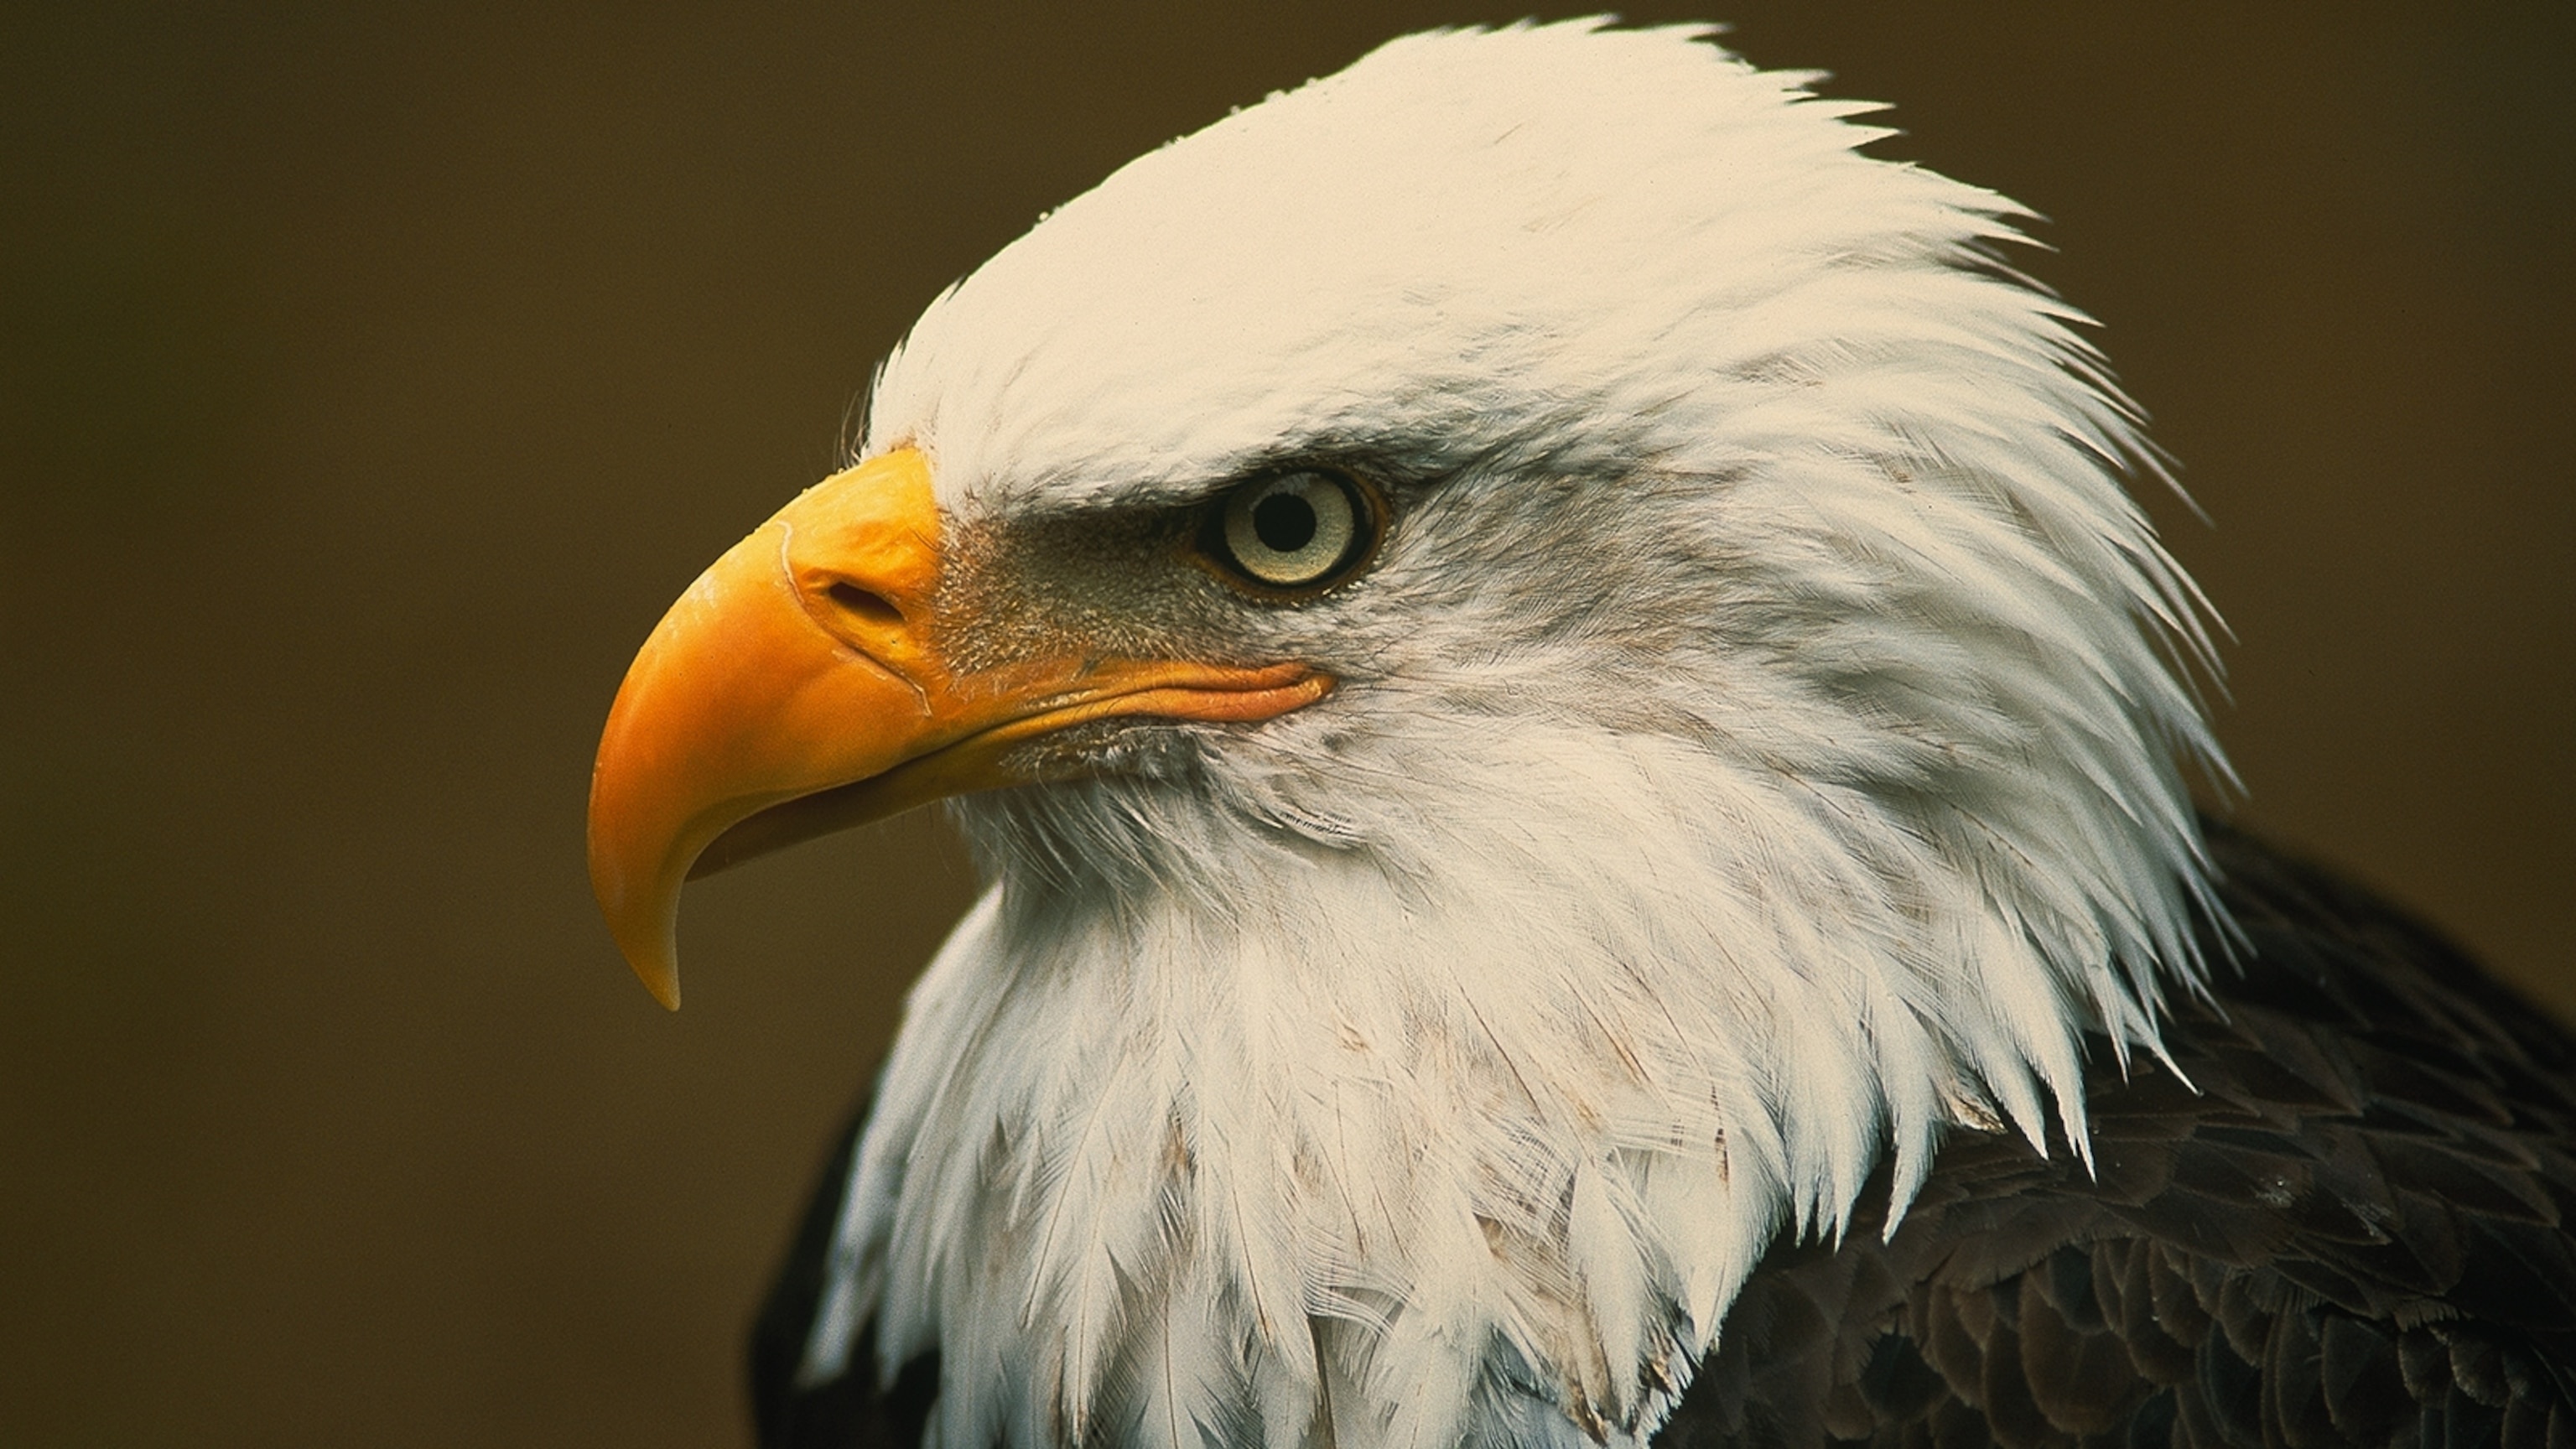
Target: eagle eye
[(1300, 530)]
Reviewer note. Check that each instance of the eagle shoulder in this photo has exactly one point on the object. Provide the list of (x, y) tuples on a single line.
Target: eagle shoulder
[(2355, 1231)]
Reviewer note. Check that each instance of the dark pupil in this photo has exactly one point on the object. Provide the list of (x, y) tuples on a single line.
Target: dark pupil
[(1284, 522)]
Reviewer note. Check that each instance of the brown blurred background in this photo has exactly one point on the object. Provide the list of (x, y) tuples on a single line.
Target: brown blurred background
[(371, 378)]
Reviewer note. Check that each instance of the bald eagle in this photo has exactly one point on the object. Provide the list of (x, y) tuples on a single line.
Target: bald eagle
[(1579, 755)]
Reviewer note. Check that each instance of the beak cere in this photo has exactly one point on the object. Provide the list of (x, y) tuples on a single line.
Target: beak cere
[(794, 690)]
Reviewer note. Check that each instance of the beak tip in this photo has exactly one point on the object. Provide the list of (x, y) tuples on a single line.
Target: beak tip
[(660, 973), (644, 923)]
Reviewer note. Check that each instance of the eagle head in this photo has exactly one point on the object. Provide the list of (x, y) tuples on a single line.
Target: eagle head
[(1546, 662)]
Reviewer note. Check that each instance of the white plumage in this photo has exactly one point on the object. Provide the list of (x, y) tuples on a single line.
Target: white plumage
[(1754, 752)]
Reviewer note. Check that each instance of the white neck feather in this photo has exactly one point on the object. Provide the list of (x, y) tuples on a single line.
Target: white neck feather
[(1470, 1154)]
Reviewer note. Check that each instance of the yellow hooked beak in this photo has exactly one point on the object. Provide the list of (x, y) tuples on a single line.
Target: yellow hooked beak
[(796, 689)]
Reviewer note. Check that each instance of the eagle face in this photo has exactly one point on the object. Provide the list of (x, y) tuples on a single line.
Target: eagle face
[(1545, 662)]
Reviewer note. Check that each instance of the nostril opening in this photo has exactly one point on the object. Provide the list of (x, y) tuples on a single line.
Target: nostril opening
[(868, 605)]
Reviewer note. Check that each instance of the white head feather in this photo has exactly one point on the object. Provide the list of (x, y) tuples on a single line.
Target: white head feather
[(1754, 754)]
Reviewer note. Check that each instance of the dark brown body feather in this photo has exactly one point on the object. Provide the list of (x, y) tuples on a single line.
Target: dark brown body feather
[(2355, 1231)]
